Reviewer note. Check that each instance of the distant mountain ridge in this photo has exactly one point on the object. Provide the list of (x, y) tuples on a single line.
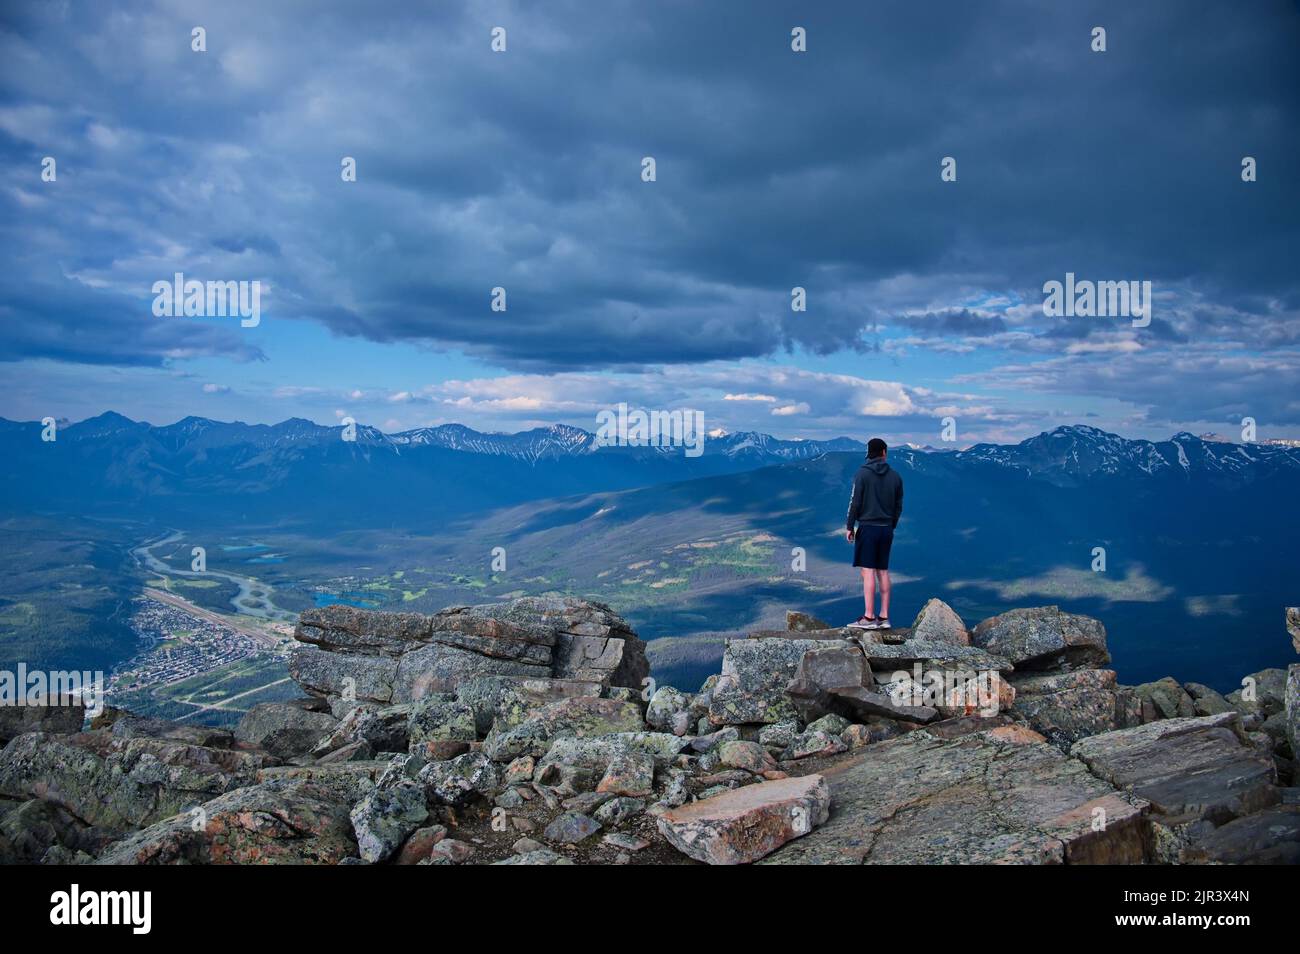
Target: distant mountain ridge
[(297, 469)]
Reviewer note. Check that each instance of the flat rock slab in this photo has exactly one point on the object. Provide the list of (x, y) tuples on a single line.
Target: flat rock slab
[(747, 823), (1000, 796), (1269, 837), (1194, 768), (885, 658)]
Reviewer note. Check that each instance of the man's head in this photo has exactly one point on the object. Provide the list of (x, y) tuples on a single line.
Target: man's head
[(876, 448)]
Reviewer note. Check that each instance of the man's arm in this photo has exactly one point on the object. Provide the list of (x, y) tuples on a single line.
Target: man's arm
[(855, 501), (898, 503)]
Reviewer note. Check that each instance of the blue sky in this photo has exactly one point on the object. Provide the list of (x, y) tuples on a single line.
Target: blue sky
[(775, 169)]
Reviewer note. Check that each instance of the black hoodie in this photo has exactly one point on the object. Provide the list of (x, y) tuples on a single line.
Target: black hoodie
[(877, 495)]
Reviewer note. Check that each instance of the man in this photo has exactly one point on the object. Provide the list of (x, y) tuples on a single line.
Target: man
[(875, 507)]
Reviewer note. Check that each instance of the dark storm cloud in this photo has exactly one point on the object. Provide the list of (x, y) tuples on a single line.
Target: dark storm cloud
[(521, 170)]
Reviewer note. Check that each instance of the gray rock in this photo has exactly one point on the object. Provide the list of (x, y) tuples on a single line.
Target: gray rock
[(543, 856), (582, 716), (280, 822), (1044, 638), (939, 623), (385, 818), (618, 810), (1000, 795), (456, 781), (1293, 625), (670, 711), (1189, 769), (571, 828), (1069, 706), (439, 717), (1263, 693), (1292, 704), (1206, 701), (755, 673), (1168, 699), (284, 729), (823, 670)]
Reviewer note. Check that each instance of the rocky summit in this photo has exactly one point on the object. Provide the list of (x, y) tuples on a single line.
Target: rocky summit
[(529, 732)]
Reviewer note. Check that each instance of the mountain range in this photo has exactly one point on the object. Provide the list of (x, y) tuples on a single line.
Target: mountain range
[(199, 468)]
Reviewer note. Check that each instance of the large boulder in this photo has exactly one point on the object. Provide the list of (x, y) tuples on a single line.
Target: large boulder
[(1196, 773), (348, 655), (284, 729), (291, 822), (1001, 795), (823, 670), (1044, 638), (938, 622), (1262, 693), (755, 673), (1068, 706), (745, 824), (385, 817)]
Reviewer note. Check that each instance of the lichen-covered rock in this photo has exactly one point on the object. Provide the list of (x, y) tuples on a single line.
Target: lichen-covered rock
[(750, 756), (632, 773), (293, 822), (1044, 638), (438, 718), (811, 743), (938, 622), (542, 856), (367, 729), (457, 781), (121, 783), (670, 710), (745, 824), (582, 716), (384, 819), (755, 673), (778, 735)]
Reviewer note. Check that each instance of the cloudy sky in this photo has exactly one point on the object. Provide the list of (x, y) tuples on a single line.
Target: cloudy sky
[(523, 169)]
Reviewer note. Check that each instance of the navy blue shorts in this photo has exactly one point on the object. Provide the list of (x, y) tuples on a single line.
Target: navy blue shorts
[(871, 546)]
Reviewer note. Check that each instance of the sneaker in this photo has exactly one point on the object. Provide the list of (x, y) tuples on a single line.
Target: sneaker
[(863, 622), (882, 623)]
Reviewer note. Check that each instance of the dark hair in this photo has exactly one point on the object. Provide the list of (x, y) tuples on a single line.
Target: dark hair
[(876, 448)]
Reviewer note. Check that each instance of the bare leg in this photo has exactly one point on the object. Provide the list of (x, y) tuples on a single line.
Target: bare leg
[(884, 593), (868, 588)]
